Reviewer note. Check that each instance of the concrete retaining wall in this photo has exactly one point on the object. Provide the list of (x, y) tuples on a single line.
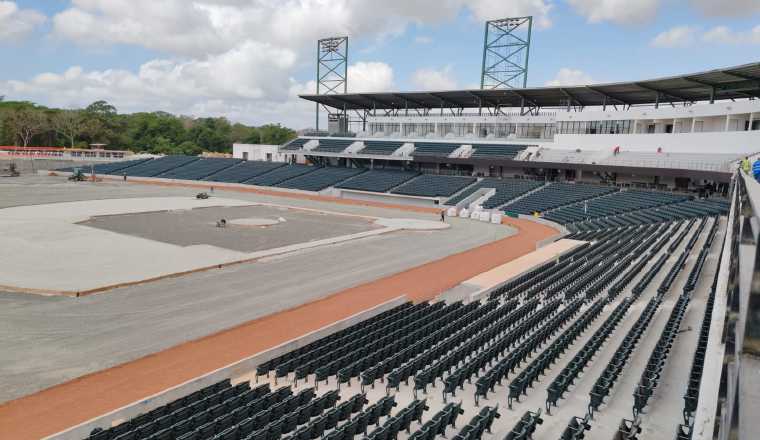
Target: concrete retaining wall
[(563, 232), (232, 371), (387, 198), (28, 165)]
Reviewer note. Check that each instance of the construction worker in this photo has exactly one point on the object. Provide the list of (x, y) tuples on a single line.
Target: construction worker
[(746, 165)]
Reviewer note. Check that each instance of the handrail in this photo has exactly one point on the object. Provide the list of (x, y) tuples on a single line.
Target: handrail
[(724, 411)]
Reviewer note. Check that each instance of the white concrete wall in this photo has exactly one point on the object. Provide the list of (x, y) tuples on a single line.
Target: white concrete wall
[(258, 152), (665, 111), (737, 142), (396, 199)]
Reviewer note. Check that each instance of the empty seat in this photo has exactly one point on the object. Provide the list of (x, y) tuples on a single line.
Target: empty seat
[(327, 145), (200, 169), (161, 165), (429, 185), (377, 180), (244, 171), (295, 144), (280, 174), (320, 179), (434, 149), (380, 148)]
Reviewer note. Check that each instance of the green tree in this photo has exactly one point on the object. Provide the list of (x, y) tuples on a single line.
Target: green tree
[(275, 134), (25, 123), (100, 122), (254, 137), (69, 124), (103, 125), (212, 134), (188, 148), (143, 130)]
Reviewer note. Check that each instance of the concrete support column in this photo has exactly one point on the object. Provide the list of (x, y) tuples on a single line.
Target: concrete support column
[(751, 119), (728, 119), (693, 124)]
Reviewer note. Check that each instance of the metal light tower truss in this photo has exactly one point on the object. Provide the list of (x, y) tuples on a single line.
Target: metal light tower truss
[(506, 48), (332, 67)]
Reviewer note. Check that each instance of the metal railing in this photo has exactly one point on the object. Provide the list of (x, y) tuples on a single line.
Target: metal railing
[(728, 408)]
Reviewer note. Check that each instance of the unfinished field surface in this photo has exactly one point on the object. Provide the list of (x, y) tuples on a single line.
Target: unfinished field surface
[(68, 404)]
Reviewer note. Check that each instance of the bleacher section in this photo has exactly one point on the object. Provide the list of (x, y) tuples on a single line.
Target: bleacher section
[(555, 195), (680, 210), (332, 145), (320, 178), (612, 204), (280, 174), (506, 190), (295, 144), (159, 166), (434, 149), (581, 315), (244, 171), (428, 185), (489, 151), (200, 169), (377, 180), (381, 148), (106, 168)]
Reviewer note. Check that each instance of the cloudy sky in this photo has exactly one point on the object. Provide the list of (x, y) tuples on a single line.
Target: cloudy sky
[(249, 59)]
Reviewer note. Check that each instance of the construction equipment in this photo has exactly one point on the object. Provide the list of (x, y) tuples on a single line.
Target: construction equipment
[(77, 176)]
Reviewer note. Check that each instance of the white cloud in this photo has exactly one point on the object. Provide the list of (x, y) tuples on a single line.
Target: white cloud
[(201, 27), (617, 11), (234, 58), (250, 92), (423, 39), (570, 77), (727, 8), (679, 36), (370, 77), (725, 35), (15, 23), (434, 79), (493, 9)]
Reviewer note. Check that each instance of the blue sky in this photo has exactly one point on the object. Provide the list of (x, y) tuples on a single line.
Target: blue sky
[(248, 59)]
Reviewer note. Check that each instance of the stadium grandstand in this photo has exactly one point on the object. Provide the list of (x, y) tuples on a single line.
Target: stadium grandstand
[(495, 264)]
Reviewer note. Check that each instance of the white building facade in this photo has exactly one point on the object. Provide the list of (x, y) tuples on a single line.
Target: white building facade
[(259, 152), (721, 127)]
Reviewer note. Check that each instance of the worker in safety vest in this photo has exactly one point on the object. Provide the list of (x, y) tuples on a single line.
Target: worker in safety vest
[(746, 165)]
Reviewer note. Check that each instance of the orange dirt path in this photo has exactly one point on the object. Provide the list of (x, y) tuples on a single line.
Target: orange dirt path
[(71, 403)]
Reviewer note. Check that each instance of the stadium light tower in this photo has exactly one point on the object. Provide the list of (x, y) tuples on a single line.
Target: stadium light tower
[(332, 67), (506, 48)]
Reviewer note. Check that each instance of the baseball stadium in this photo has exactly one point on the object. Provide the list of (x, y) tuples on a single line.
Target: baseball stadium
[(497, 263)]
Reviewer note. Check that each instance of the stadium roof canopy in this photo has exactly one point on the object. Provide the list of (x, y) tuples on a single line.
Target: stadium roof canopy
[(729, 83)]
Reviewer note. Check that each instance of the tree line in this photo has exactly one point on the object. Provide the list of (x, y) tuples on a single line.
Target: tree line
[(27, 124)]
